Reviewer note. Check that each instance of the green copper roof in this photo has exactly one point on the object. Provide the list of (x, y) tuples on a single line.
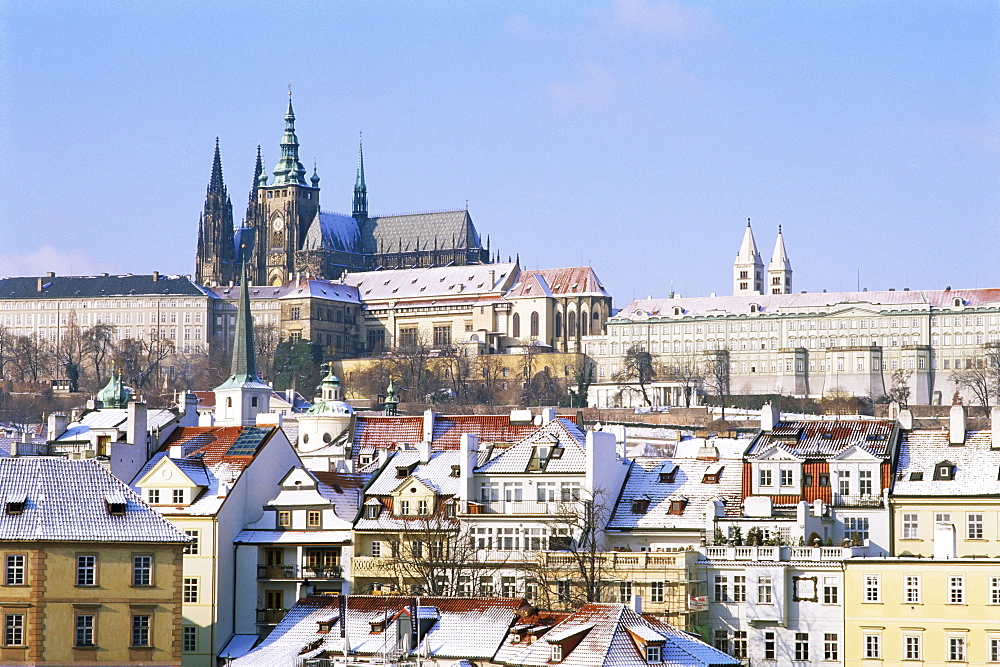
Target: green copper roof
[(243, 371), (114, 394), (289, 170)]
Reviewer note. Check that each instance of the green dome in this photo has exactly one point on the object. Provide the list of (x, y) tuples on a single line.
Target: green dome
[(114, 394)]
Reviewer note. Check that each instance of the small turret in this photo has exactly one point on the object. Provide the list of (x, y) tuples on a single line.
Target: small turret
[(315, 177), (115, 394), (391, 400)]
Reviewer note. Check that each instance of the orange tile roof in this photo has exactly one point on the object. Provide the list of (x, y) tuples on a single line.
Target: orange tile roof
[(381, 431), (212, 442)]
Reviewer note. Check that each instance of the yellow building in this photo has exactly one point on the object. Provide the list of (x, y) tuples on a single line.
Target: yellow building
[(926, 611), (946, 496), (91, 573)]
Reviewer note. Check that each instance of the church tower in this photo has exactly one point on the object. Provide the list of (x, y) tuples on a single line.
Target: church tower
[(779, 272), (748, 269), (254, 213), (215, 260), (360, 191), (243, 396), (285, 208)]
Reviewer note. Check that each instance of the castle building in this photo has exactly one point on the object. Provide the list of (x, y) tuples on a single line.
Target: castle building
[(295, 236)]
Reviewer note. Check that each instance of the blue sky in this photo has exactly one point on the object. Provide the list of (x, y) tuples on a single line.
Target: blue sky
[(636, 135)]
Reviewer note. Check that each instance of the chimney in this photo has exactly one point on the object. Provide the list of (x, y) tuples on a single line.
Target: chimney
[(189, 414), (944, 540), (176, 452), (156, 276), (424, 451), (428, 426), (956, 425), (637, 604), (207, 419), (995, 427), (50, 274), (468, 459), (57, 425), (905, 419), (136, 425), (383, 456), (769, 416), (40, 284), (547, 415)]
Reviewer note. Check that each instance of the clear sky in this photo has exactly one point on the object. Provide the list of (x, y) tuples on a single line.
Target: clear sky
[(637, 136)]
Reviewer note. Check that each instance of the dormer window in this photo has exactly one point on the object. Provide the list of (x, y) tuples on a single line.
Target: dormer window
[(116, 504), (556, 655), (372, 511), (654, 653), (916, 476), (377, 626), (677, 504), (326, 626), (712, 474), (667, 473), (640, 505), (456, 471), (944, 471), (15, 503)]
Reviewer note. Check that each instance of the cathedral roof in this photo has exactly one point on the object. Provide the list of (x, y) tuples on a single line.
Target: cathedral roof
[(333, 231), (395, 233)]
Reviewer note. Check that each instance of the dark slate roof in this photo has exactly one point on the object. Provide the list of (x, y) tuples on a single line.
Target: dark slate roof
[(823, 439), (387, 233), (96, 287), (66, 500), (333, 231)]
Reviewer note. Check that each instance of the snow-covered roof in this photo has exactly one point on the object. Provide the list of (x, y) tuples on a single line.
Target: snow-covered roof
[(975, 467), (825, 439), (106, 418), (643, 483), (559, 433), (470, 628), (614, 636), (293, 537), (464, 283), (69, 500)]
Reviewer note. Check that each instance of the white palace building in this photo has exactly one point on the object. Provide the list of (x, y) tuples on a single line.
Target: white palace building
[(804, 345)]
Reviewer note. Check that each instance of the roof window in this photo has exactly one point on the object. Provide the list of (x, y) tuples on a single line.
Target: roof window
[(15, 503), (456, 471), (640, 505), (916, 476), (712, 474), (677, 504), (943, 471), (668, 472), (116, 503)]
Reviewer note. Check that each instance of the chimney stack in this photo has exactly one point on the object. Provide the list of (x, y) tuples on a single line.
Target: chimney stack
[(769, 416), (156, 276), (956, 426), (995, 427), (428, 425), (136, 425), (57, 425)]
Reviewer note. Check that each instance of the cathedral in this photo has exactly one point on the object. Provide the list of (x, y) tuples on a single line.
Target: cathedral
[(295, 236)]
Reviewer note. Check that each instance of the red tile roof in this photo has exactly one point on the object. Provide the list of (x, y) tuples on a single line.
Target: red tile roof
[(212, 442), (380, 431)]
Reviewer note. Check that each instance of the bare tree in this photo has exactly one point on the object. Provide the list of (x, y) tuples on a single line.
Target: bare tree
[(716, 374), (266, 338), (981, 376), (457, 371), (140, 360), (6, 349), (574, 569), (583, 376), (410, 365), (98, 342), (899, 389), (637, 368), (688, 372), (70, 351), (30, 358), (491, 369)]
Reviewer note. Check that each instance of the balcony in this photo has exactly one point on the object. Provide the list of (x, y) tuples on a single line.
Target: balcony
[(782, 553), (293, 572), (270, 616), (866, 501), (521, 507)]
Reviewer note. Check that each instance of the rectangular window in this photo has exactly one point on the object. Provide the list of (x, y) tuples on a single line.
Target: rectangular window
[(284, 519), (193, 547), (140, 630), (14, 573), (313, 518), (764, 590), (656, 591), (956, 649), (770, 646), (86, 570), (654, 653), (873, 646), (13, 630), (865, 482), (624, 591), (786, 477), (142, 570), (974, 524), (570, 491), (153, 496), (404, 507), (85, 630), (721, 640), (765, 477), (721, 589), (442, 336), (740, 644), (178, 496), (190, 589), (739, 588), (911, 589), (189, 638), (856, 528), (910, 526), (831, 590), (831, 646), (421, 507), (801, 645), (873, 591), (376, 549), (911, 647), (845, 482), (956, 589), (994, 649), (994, 590)]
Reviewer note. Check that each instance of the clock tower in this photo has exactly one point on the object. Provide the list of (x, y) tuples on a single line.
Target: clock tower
[(284, 210)]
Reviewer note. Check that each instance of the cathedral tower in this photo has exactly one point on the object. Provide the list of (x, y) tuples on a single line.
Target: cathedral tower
[(285, 209), (779, 272), (215, 260), (748, 269)]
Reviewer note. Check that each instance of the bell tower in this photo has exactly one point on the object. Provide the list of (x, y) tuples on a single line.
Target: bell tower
[(748, 269), (286, 206), (779, 271)]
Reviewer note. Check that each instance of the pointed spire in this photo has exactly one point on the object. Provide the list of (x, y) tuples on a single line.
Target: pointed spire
[(360, 190), (315, 177), (779, 258), (289, 170), (748, 248), (215, 184)]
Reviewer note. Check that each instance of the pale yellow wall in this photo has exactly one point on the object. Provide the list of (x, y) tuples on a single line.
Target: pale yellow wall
[(56, 600), (933, 619), (959, 508)]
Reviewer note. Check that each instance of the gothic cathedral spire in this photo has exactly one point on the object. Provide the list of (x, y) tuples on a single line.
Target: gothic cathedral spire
[(748, 269), (289, 170), (360, 191), (215, 260)]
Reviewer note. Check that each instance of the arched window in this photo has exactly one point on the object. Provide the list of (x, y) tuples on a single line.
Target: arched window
[(534, 324), (558, 325), (572, 324), (516, 326), (253, 401), (584, 324), (229, 402)]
